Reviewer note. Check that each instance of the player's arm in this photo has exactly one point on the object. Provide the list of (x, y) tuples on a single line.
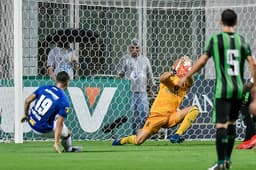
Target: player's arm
[(50, 64), (76, 67), (248, 86), (51, 73), (165, 78), (196, 67), (74, 60), (252, 66), (151, 81), (189, 82), (59, 126), (122, 67), (28, 100), (75, 63)]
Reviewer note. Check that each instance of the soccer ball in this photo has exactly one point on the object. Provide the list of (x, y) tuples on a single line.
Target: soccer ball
[(183, 66)]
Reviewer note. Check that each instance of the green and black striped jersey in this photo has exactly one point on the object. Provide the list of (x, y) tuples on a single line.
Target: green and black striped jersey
[(229, 52)]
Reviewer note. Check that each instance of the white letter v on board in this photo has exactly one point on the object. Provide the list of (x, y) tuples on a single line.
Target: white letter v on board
[(91, 122)]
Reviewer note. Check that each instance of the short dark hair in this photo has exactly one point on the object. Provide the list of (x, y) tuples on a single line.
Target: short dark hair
[(62, 77), (229, 17)]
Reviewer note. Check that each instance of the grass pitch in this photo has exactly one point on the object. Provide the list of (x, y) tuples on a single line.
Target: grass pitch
[(152, 155)]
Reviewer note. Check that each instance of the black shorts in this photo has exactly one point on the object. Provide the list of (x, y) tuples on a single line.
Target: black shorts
[(226, 109)]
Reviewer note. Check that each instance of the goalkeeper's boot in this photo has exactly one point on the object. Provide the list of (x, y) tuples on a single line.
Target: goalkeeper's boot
[(217, 167), (227, 164), (176, 138), (116, 142)]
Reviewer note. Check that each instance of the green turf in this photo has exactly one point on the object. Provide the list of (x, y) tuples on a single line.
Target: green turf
[(191, 155)]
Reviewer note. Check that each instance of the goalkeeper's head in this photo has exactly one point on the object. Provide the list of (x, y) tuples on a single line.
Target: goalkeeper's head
[(182, 65), (62, 79)]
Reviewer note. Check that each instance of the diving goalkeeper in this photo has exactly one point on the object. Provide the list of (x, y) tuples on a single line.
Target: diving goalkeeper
[(165, 112)]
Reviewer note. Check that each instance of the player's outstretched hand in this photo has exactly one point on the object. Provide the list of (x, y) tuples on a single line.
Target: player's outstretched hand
[(56, 148), (24, 119)]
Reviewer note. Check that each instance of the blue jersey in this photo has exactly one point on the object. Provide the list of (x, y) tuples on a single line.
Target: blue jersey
[(50, 101)]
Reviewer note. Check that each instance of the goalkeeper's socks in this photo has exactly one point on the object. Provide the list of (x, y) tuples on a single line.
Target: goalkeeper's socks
[(128, 140), (188, 120)]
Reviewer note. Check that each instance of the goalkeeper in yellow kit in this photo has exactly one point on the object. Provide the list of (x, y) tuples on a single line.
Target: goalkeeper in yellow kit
[(165, 112)]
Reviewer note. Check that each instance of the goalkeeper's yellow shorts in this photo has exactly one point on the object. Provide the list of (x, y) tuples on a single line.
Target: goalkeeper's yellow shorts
[(155, 121)]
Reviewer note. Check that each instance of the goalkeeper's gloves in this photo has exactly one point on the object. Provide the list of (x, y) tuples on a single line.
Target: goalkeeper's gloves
[(173, 71)]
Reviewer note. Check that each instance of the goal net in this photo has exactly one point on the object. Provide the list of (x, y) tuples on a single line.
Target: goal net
[(6, 70), (100, 32)]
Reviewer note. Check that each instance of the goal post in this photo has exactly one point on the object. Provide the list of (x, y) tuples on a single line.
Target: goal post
[(18, 70), (166, 29)]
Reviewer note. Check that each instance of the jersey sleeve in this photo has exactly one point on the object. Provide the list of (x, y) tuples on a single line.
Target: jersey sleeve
[(39, 90), (247, 48), (171, 81), (64, 108), (208, 46)]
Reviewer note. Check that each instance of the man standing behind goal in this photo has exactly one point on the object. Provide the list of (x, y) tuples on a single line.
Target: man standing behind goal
[(229, 51), (62, 58), (137, 69)]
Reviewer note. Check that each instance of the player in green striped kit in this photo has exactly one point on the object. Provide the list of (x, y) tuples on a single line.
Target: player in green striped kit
[(229, 51)]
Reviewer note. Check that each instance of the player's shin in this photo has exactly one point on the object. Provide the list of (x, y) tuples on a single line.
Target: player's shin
[(231, 135), (66, 142), (188, 120), (221, 144)]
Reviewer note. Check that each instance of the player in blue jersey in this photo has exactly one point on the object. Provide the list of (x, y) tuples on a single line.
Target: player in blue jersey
[(47, 114)]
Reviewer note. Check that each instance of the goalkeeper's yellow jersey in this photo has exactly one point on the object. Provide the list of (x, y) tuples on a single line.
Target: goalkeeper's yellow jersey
[(169, 97)]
